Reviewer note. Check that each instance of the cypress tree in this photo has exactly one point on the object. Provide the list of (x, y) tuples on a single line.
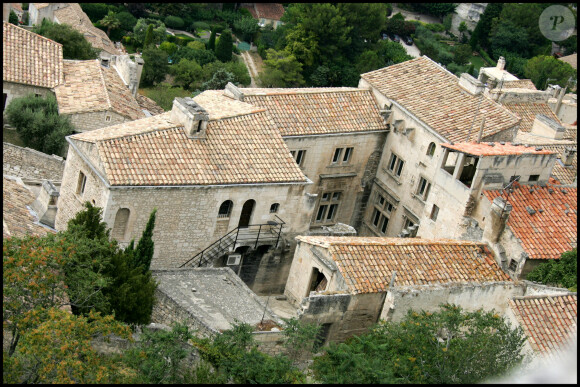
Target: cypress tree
[(148, 36), (223, 49), (211, 43), (143, 253)]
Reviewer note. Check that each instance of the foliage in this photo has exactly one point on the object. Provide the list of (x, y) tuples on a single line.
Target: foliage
[(247, 26), (366, 20), (447, 22), (300, 337), (168, 47), (148, 42), (435, 9), (510, 37), (137, 9), (541, 68), (89, 220), (526, 16), (95, 11), (480, 35), (155, 67), (211, 42), (431, 47), (392, 52), (237, 68), (201, 26), (202, 57), (281, 69), (38, 123), (187, 73), (462, 27), (223, 48), (13, 18), (145, 248), (561, 272), (140, 30), (461, 54), (515, 64), (219, 80), (74, 44), (196, 45), (174, 22), (59, 350), (395, 25), (163, 94), (570, 45), (449, 346), (110, 22)]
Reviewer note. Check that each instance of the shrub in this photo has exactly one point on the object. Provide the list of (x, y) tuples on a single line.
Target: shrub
[(174, 22), (201, 26), (223, 48)]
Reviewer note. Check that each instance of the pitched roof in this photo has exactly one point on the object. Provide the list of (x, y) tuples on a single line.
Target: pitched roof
[(551, 229), (90, 87), (318, 110), (564, 174), (148, 104), (273, 11), (155, 151), (434, 96), (74, 16), (549, 322), (572, 60), (496, 149), (367, 263), (17, 217), (519, 84), (30, 58), (528, 112)]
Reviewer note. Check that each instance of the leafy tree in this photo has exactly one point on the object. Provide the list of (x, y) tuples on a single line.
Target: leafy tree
[(140, 31), (74, 44), (38, 123), (447, 20), (223, 48), (281, 69), (211, 42), (127, 21), (300, 337), (145, 248), (366, 20), (435, 9), (110, 21), (541, 68), (168, 47), (155, 67), (148, 42), (196, 45), (510, 37), (138, 10), (237, 68), (449, 346), (526, 16), (392, 52), (480, 35), (202, 57), (95, 11), (13, 18), (367, 61), (247, 26), (395, 25), (561, 272), (174, 22), (219, 80), (187, 73), (461, 54), (570, 45)]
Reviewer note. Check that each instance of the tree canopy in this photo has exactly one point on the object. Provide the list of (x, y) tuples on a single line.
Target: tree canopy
[(561, 272), (542, 68), (140, 31), (156, 67), (223, 48), (74, 44)]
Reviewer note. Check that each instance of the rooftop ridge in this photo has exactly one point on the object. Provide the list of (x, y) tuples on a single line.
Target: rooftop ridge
[(313, 90), (33, 33), (538, 296), (102, 77)]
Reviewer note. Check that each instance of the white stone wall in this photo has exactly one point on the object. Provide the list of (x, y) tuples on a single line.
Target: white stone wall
[(18, 90), (30, 164), (469, 13), (84, 122)]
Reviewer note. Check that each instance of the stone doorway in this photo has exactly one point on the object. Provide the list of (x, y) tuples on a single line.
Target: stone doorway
[(246, 214)]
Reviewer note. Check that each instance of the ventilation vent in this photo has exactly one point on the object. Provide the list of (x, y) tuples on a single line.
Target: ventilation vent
[(234, 259)]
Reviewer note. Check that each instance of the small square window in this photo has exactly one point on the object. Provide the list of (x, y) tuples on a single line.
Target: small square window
[(336, 196), (513, 265), (298, 156), (337, 153), (108, 118), (274, 208), (325, 197), (347, 154), (534, 178)]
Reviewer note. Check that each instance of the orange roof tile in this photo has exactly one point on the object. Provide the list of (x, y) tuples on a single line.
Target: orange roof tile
[(434, 96), (519, 84), (528, 112), (548, 321), (497, 149), (90, 87), (272, 11), (310, 111), (367, 263), (551, 229), (30, 58)]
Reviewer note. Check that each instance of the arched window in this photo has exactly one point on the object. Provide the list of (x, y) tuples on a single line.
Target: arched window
[(274, 208), (431, 149), (120, 226), (225, 209)]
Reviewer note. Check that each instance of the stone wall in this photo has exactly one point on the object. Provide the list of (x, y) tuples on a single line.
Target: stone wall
[(84, 122), (30, 164), (18, 90), (271, 343), (468, 13)]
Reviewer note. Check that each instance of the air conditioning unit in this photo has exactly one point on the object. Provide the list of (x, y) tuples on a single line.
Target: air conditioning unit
[(234, 259)]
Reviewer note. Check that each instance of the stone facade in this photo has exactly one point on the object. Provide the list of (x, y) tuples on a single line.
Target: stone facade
[(84, 122), (18, 90), (31, 165)]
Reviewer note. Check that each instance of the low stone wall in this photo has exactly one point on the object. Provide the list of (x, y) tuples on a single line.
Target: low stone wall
[(271, 343), (30, 164)]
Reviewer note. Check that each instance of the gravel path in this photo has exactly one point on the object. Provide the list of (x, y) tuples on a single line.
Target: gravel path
[(251, 67)]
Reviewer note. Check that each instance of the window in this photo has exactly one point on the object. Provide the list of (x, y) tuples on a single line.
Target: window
[(342, 155), (534, 178), (381, 213), (328, 206), (408, 223), (107, 118), (274, 208), (396, 165), (81, 184), (431, 149), (423, 189), (225, 209), (120, 225), (434, 213), (298, 156), (513, 265), (37, 95)]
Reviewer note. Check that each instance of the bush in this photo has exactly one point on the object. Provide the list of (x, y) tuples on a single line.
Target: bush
[(435, 27), (486, 57), (201, 26), (95, 11), (163, 94), (561, 272), (127, 20), (223, 47), (174, 22)]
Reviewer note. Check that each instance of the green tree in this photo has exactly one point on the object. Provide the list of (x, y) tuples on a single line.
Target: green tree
[(110, 21), (211, 42), (223, 48), (140, 31), (202, 57), (74, 44), (247, 26), (461, 54), (174, 22), (155, 68), (366, 20), (127, 21), (281, 69), (395, 25), (187, 73), (447, 22), (541, 68), (509, 37), (368, 61), (300, 338), (435, 9), (13, 18), (196, 45), (219, 80), (38, 123), (148, 37), (237, 68), (95, 11), (449, 346), (169, 48), (480, 35), (144, 251), (562, 272), (526, 16)]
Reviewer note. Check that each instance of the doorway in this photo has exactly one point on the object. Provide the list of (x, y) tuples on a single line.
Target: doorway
[(318, 282), (246, 214)]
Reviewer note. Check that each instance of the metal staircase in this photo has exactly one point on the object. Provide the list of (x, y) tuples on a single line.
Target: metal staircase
[(252, 235)]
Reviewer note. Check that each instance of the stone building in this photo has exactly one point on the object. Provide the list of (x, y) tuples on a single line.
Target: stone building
[(425, 106), (209, 166), (93, 95), (31, 64), (336, 136)]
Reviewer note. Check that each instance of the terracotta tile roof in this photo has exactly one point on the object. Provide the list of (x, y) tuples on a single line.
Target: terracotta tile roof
[(156, 151), (74, 16), (528, 112), (148, 104), (219, 106), (367, 263), (572, 60), (519, 84), (90, 87), (497, 149), (318, 111), (549, 322), (30, 58), (564, 174), (551, 229), (17, 217), (434, 96), (273, 11), (251, 9)]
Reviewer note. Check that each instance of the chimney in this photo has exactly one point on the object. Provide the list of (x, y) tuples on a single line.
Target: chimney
[(568, 156), (192, 116), (470, 84), (560, 98), (232, 91), (139, 62), (547, 127), (499, 213), (45, 204), (501, 63)]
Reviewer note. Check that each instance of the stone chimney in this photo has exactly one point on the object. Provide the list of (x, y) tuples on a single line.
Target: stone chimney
[(501, 63), (547, 127), (232, 91), (45, 204), (498, 215), (192, 116), (470, 84), (568, 156)]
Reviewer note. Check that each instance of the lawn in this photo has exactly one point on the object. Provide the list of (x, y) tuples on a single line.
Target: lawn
[(163, 94), (477, 62)]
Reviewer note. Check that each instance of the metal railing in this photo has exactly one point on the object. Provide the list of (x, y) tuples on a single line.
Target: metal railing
[(253, 233)]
